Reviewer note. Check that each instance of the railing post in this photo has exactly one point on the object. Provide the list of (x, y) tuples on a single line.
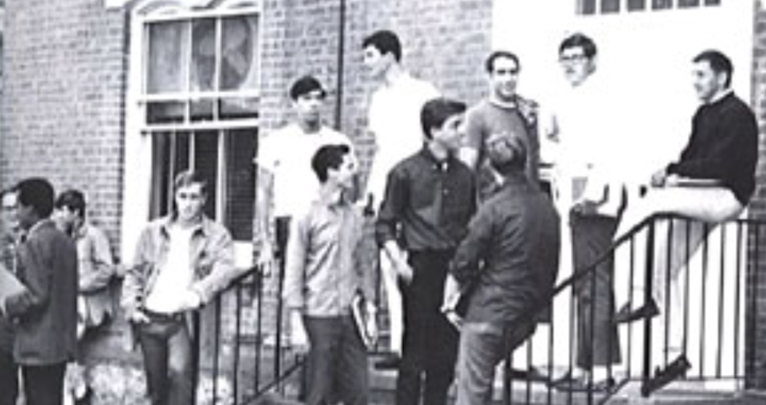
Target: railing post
[(649, 278)]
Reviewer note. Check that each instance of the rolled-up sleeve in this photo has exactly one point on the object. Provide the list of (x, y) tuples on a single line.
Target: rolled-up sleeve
[(393, 206)]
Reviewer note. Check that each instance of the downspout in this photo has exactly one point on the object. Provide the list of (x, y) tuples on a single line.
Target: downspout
[(340, 64)]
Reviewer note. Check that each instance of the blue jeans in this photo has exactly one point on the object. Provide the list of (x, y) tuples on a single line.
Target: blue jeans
[(337, 362), (483, 345), (166, 348)]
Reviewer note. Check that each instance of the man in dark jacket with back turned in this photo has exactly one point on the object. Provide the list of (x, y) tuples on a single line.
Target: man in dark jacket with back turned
[(510, 260)]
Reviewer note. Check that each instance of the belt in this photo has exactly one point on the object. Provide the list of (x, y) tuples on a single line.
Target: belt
[(164, 317)]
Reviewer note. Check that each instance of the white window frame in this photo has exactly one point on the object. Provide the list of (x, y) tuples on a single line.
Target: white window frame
[(137, 179)]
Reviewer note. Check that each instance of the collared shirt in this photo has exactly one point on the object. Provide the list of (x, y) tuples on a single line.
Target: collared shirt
[(427, 204), (394, 119), (488, 118), (325, 268), (287, 153), (212, 258), (511, 253), (591, 153)]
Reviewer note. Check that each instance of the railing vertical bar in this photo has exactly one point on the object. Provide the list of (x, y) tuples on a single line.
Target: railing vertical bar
[(687, 281), (666, 307), (703, 312), (722, 302), (237, 340), (737, 299), (216, 348), (258, 291), (631, 277), (648, 322)]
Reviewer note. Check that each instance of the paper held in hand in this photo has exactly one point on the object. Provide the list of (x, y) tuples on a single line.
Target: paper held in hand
[(9, 284), (364, 320)]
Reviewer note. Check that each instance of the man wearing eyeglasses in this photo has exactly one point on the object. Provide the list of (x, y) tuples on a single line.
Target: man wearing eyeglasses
[(585, 143)]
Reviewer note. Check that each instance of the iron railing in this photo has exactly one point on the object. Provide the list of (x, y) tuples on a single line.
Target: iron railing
[(242, 352)]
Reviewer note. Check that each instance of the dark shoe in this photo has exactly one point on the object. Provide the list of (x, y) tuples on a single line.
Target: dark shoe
[(532, 374), (626, 315), (85, 399), (675, 370), (388, 362), (567, 383)]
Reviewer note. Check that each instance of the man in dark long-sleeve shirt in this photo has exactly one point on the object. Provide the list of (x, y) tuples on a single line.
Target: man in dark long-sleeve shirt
[(510, 260), (428, 202), (711, 182)]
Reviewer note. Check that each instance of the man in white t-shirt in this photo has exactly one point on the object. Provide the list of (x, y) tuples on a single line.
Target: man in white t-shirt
[(286, 183), (394, 119)]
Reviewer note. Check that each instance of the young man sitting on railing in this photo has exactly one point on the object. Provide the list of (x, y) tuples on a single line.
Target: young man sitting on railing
[(712, 182)]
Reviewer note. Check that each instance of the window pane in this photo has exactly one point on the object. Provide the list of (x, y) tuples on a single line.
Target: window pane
[(165, 112), (201, 110), (206, 164), (610, 6), (239, 107), (240, 182), (168, 50), (203, 55), (170, 156), (688, 3), (712, 2), (238, 53), (586, 7), (634, 5), (662, 4)]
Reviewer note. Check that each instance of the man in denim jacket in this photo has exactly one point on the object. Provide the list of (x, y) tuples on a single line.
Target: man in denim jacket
[(182, 261)]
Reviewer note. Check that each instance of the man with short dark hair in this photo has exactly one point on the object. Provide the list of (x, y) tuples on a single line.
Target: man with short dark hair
[(182, 262), (711, 182), (45, 312), (591, 199), (394, 120), (324, 275), (284, 172), (429, 199), (95, 269), (508, 262), (503, 113)]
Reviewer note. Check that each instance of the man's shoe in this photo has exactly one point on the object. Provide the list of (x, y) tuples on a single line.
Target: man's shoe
[(568, 383), (675, 370), (627, 315), (389, 362), (532, 374)]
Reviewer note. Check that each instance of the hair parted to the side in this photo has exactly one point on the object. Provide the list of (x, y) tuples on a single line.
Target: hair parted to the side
[(328, 157), (435, 112), (187, 178), (579, 40)]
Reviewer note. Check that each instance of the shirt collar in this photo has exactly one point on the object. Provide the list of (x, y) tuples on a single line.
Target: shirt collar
[(426, 154), (724, 95), (202, 227), (43, 223)]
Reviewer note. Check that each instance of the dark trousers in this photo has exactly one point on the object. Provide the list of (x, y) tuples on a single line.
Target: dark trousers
[(337, 362), (9, 376), (483, 345), (429, 349), (44, 385), (166, 348), (597, 336)]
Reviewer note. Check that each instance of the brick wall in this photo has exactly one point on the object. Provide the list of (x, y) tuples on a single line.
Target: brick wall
[(756, 312), (62, 108)]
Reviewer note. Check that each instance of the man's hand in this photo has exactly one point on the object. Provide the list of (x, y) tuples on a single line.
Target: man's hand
[(452, 295), (399, 261), (299, 340), (659, 178), (372, 322), (137, 316), (266, 262)]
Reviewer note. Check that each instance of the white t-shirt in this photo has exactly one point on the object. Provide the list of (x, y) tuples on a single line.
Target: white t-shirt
[(176, 276), (394, 119), (287, 154)]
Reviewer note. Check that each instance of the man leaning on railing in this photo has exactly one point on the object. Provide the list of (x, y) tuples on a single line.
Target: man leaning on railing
[(711, 182)]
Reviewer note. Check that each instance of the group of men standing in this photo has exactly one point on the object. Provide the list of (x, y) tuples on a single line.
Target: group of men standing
[(468, 243)]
